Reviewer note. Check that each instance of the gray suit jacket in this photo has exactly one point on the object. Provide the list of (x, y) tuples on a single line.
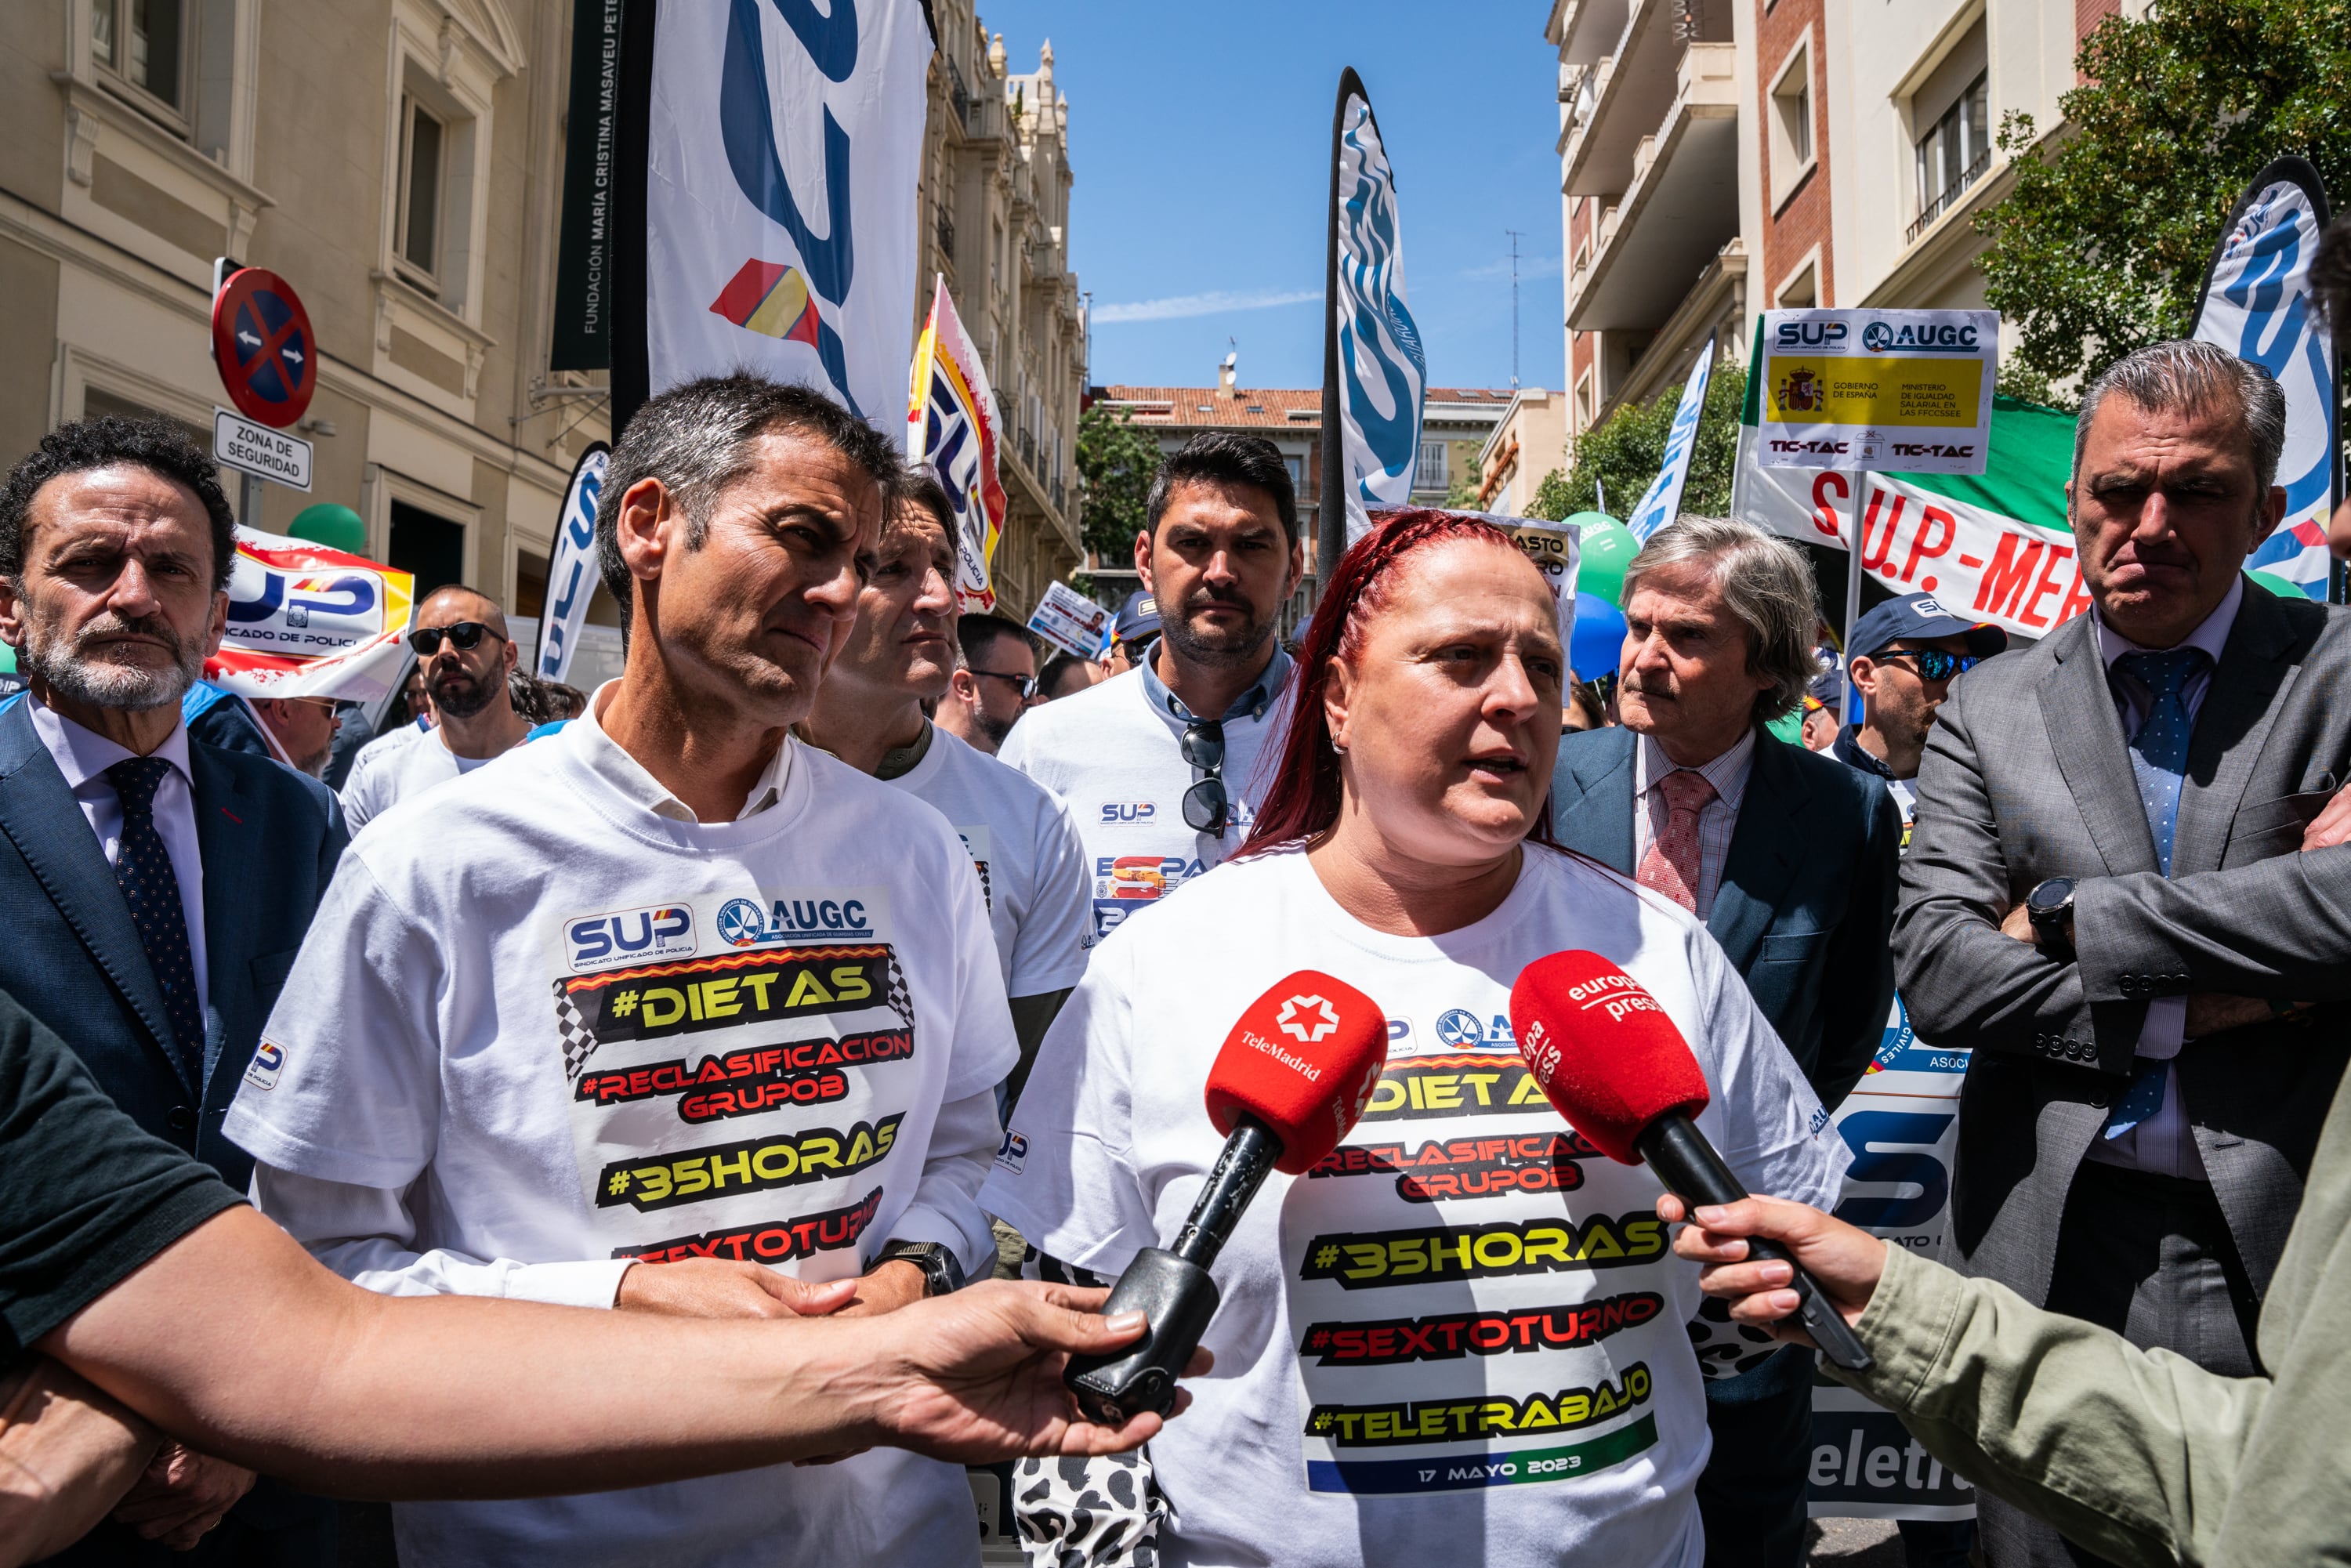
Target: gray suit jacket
[(2027, 777)]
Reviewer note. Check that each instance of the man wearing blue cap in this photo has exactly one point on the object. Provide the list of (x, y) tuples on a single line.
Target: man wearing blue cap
[(1130, 633), (1905, 654)]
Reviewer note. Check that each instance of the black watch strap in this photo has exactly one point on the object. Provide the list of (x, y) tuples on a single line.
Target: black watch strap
[(942, 1272)]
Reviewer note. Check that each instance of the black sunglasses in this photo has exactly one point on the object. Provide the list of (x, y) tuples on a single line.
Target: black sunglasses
[(465, 636), (1027, 685), (1205, 808), (1934, 663)]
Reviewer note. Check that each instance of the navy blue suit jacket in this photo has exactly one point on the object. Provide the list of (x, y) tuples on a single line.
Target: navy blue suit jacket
[(1805, 908), (269, 838)]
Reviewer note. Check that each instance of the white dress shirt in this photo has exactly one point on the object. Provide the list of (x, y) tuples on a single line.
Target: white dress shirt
[(1717, 820), (2164, 1142), (83, 756), (629, 776)]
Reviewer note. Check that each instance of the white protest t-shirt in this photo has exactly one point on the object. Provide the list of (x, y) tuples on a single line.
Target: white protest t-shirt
[(1114, 757), (1460, 1339), (406, 762), (1031, 862), (580, 1029)]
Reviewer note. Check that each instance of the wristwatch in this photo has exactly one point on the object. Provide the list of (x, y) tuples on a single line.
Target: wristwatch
[(941, 1272), (2049, 907)]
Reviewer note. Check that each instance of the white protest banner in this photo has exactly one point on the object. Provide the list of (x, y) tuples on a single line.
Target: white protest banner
[(571, 573), (951, 426), (1901, 1122), (1663, 503), (1070, 622), (782, 150), (1375, 372), (2257, 305), (307, 621)]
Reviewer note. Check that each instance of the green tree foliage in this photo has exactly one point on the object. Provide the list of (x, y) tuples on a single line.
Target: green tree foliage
[(2101, 247), (1116, 463), (1623, 454)]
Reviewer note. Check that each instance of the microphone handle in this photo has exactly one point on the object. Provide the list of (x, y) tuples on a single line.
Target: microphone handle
[(1172, 1289), (1249, 1156), (1693, 1172)]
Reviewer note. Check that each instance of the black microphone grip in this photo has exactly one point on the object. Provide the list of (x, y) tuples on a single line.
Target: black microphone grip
[(1694, 1173), (1173, 1291)]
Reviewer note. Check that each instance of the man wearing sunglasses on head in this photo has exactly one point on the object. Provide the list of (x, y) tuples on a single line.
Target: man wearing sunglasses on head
[(466, 655), (1158, 763), (1905, 654)]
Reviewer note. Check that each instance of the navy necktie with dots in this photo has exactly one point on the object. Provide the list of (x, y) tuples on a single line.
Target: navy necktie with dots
[(2158, 761), (143, 869)]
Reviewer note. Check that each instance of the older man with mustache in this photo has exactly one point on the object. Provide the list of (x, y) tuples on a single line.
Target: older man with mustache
[(156, 888)]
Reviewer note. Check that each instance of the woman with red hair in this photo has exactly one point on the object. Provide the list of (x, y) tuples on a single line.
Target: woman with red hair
[(1461, 1338)]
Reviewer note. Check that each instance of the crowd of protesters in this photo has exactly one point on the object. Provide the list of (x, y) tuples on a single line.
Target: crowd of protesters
[(836, 958)]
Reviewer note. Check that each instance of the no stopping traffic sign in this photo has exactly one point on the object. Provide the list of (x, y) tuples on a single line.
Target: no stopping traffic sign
[(262, 344)]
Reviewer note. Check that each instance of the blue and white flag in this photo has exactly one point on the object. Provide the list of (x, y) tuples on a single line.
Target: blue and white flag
[(2257, 306), (782, 150), (1662, 502), (1382, 375), (572, 574)]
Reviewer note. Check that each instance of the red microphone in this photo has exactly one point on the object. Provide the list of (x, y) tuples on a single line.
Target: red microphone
[(1610, 1061), (1293, 1076)]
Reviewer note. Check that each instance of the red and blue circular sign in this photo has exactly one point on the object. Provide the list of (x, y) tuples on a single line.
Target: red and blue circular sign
[(261, 341)]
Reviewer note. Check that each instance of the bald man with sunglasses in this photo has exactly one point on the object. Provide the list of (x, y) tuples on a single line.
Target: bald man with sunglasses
[(465, 653)]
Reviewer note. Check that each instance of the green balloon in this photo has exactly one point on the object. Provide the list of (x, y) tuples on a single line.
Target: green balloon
[(2278, 585), (1606, 547), (335, 525)]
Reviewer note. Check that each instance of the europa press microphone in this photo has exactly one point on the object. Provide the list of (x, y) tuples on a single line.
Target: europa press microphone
[(1294, 1074), (1610, 1061)]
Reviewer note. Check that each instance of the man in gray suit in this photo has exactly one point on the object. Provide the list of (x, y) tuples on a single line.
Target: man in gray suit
[(2133, 1142)]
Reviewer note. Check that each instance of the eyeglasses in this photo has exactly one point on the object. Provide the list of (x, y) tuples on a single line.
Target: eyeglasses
[(1025, 684), (1205, 808), (464, 636), (1934, 663)]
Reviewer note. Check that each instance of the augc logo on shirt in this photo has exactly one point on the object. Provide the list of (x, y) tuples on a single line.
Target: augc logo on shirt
[(748, 922)]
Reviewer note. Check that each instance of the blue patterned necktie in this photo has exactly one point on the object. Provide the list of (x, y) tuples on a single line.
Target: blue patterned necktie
[(2158, 754), (143, 869)]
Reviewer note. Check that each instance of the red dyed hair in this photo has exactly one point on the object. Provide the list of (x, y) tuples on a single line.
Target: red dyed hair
[(1303, 801)]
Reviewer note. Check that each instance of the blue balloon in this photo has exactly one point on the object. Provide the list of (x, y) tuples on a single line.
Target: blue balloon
[(1598, 639)]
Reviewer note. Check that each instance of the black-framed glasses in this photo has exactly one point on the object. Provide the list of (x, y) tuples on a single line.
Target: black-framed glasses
[(1934, 663), (1025, 684), (1207, 808), (463, 635)]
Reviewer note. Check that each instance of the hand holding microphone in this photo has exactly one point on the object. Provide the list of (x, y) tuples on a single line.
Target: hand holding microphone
[(1294, 1074), (1612, 1062)]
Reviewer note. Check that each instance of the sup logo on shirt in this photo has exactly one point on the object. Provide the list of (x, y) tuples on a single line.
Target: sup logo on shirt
[(268, 1062), (596, 941)]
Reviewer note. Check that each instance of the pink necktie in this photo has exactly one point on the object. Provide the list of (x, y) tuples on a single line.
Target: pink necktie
[(1671, 865)]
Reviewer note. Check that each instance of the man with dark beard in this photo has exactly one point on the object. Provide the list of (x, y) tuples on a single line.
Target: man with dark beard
[(1158, 764), (465, 656), (156, 889)]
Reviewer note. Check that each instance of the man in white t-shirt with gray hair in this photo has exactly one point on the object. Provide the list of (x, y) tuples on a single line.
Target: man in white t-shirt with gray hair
[(1030, 861), (669, 1011), (1159, 765)]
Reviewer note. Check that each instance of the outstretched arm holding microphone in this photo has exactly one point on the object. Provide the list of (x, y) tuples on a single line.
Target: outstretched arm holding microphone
[(2138, 1456)]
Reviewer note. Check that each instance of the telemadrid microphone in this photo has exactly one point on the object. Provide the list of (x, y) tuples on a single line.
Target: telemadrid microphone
[(1294, 1074), (1610, 1061)]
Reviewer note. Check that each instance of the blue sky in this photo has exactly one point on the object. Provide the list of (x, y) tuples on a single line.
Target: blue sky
[(1200, 137)]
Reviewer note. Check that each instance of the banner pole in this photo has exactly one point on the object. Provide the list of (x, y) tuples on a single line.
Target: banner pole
[(1851, 714), (1331, 507)]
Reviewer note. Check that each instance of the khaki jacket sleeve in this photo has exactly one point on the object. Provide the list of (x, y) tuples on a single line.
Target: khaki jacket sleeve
[(2133, 1454)]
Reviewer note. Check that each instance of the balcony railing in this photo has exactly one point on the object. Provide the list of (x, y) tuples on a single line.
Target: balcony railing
[(1951, 194), (947, 236)]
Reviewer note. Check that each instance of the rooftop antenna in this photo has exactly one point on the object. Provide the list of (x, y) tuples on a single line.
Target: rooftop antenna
[(1514, 308)]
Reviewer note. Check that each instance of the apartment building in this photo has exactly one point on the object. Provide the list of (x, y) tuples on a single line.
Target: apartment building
[(1720, 158), (401, 163)]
